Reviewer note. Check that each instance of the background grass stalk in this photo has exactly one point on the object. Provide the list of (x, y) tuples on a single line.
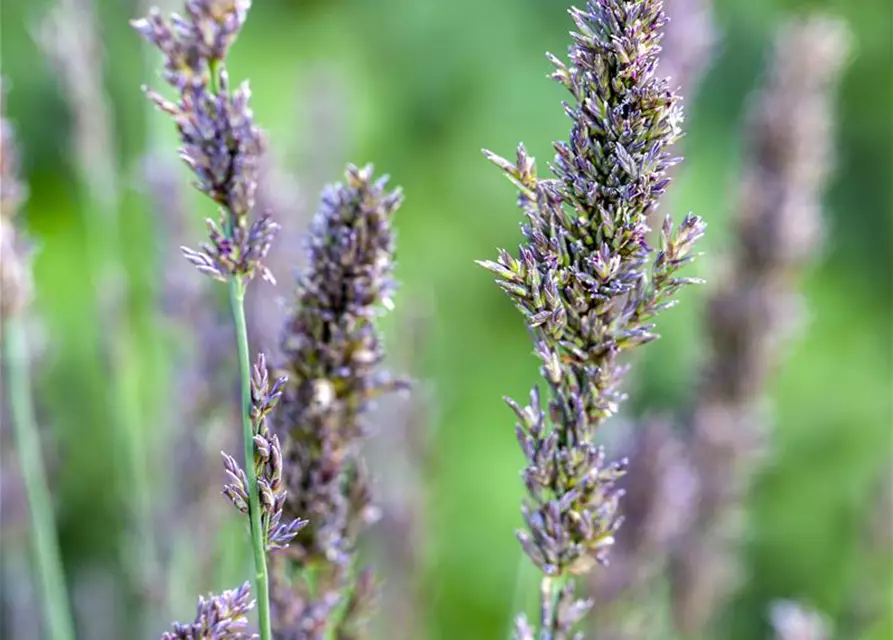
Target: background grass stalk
[(102, 231), (46, 549), (70, 38), (261, 581)]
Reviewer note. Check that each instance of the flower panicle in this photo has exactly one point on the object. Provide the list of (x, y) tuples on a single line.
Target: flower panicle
[(756, 310), (222, 146), (332, 354), (191, 43), (587, 278), (218, 617), (219, 140)]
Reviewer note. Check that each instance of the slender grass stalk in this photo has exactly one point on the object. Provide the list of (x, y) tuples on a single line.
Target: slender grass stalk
[(69, 38), (222, 145), (15, 285), (237, 287), (261, 580), (552, 588), (43, 527)]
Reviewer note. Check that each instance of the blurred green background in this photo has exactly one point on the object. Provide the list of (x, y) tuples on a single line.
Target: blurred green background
[(418, 87)]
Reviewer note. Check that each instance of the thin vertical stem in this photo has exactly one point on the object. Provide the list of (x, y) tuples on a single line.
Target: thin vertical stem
[(104, 257), (550, 595), (262, 593), (69, 38), (46, 548), (176, 574)]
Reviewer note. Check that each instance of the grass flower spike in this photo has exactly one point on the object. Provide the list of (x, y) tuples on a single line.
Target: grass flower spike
[(332, 354), (756, 311), (221, 144), (219, 140), (589, 283)]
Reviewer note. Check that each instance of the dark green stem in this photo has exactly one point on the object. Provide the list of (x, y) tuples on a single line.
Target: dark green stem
[(261, 580), (43, 526)]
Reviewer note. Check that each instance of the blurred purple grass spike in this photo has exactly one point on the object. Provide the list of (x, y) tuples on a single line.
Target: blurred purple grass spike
[(689, 44), (70, 37), (331, 354), (15, 264), (754, 310)]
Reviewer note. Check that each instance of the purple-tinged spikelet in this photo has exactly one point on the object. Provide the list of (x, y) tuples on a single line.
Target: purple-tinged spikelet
[(217, 617), (219, 141), (267, 464), (191, 43), (586, 277)]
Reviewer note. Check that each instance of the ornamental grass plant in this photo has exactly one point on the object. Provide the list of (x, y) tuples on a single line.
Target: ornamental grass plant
[(261, 435)]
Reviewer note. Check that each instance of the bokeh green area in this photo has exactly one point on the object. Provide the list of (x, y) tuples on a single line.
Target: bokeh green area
[(419, 87)]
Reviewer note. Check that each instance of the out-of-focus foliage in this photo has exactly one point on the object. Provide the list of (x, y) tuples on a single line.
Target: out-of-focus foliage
[(417, 87)]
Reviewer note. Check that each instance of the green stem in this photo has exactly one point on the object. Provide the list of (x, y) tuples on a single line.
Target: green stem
[(214, 70), (102, 245), (237, 300), (101, 200), (46, 548), (551, 588)]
